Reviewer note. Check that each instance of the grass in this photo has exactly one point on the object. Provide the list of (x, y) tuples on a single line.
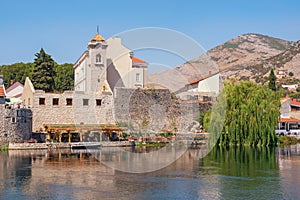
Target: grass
[(150, 144)]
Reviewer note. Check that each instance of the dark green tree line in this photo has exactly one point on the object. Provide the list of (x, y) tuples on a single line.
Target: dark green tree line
[(45, 73)]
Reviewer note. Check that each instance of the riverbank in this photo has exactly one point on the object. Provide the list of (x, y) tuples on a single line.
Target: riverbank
[(36, 146)]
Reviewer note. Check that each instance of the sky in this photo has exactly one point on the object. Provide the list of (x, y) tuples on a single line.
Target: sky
[(63, 28)]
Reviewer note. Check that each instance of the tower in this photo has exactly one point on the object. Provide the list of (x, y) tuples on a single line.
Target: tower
[(96, 74)]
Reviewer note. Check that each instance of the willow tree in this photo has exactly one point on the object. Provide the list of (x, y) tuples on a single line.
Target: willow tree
[(251, 117)]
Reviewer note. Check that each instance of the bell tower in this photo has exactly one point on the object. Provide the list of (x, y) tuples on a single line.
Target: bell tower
[(97, 64)]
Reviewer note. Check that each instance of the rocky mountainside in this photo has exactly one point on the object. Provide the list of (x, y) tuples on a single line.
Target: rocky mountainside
[(246, 57)]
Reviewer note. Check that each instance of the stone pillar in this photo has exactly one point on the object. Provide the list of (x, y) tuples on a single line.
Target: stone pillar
[(69, 134), (59, 137), (81, 136)]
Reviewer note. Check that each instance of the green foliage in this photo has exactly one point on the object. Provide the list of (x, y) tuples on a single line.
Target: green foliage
[(291, 74), (241, 161), (272, 80), (287, 140), (3, 148), (252, 112), (295, 95), (64, 77), (16, 72), (43, 72)]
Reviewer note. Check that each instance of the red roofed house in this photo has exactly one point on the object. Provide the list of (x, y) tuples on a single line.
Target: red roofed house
[(204, 88), (289, 122), (15, 90), (107, 64), (2, 91)]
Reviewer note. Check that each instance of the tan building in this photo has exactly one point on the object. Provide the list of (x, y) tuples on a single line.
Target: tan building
[(104, 67), (108, 64)]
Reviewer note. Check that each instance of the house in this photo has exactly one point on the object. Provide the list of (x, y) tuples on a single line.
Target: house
[(2, 91), (15, 90), (15, 123), (205, 88), (289, 121), (106, 65), (281, 73)]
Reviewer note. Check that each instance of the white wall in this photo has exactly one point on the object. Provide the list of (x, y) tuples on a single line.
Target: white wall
[(16, 91), (210, 85)]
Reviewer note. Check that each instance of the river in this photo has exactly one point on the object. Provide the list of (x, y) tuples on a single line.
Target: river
[(235, 173)]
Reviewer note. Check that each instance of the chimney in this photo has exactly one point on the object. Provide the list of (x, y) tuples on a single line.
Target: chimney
[(11, 82), (209, 72)]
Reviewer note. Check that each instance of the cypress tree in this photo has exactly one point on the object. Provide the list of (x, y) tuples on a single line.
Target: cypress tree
[(43, 72), (272, 80)]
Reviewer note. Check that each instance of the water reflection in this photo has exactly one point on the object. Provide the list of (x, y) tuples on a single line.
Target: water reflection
[(224, 174)]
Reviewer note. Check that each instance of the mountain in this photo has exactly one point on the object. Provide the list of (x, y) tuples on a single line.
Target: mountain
[(244, 57)]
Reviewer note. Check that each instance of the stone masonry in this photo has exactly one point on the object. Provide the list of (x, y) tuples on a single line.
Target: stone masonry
[(153, 110), (15, 124)]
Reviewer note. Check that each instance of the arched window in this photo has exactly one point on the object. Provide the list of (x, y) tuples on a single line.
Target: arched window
[(98, 58)]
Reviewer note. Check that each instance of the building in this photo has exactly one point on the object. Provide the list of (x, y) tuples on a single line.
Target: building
[(15, 123), (15, 90), (203, 89), (106, 66), (289, 121), (2, 91)]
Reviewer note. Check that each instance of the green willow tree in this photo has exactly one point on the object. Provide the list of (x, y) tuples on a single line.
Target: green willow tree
[(272, 80), (251, 117), (43, 72)]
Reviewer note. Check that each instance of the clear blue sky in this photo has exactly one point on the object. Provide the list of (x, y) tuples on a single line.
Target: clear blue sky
[(63, 27)]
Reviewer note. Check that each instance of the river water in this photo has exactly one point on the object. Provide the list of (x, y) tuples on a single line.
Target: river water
[(235, 173)]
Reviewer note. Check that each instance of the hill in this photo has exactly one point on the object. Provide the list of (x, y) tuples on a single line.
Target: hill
[(244, 57)]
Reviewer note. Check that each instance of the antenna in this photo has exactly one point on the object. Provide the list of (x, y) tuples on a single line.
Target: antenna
[(98, 29)]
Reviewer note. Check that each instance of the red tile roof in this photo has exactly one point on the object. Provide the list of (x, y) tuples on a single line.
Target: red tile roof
[(137, 60), (2, 91), (13, 86), (294, 102), (201, 79), (288, 120)]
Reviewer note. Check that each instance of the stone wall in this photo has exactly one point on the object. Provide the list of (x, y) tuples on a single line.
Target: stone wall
[(15, 124), (153, 110), (77, 113)]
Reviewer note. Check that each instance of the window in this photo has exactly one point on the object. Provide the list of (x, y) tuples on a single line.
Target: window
[(137, 77), (55, 101), (13, 120), (85, 102), (69, 101), (98, 58), (42, 101), (98, 102)]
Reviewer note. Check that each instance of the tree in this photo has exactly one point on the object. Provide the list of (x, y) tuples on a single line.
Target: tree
[(272, 80), (64, 79), (291, 74), (251, 117), (43, 72), (16, 72)]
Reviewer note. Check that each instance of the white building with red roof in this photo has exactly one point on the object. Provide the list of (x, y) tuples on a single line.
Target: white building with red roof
[(15, 90), (2, 91), (108, 64)]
